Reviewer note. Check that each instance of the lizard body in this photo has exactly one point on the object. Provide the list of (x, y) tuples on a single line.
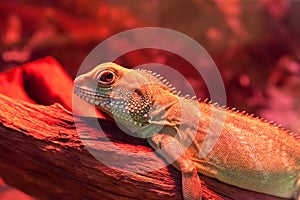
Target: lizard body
[(250, 153)]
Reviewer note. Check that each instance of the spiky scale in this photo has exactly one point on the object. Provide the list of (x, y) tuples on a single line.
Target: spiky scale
[(160, 78), (173, 89), (206, 100), (169, 85)]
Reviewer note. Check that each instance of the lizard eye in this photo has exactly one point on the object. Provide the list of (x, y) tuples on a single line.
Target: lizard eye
[(106, 77)]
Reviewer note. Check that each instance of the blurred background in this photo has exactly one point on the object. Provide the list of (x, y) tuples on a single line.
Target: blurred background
[(255, 44)]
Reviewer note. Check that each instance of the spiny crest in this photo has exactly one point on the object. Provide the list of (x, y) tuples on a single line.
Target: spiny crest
[(244, 113), (154, 77), (157, 78), (263, 120)]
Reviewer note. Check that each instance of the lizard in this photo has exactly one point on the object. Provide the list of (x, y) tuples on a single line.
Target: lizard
[(250, 152)]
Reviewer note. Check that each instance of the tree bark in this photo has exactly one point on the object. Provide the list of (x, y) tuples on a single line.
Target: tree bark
[(43, 154)]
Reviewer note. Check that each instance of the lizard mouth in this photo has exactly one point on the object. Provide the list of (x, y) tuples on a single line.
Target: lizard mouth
[(90, 96)]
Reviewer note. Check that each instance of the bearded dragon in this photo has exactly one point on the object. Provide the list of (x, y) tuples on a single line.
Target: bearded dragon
[(249, 153)]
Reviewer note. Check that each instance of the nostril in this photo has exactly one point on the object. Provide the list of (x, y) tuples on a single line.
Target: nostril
[(78, 80)]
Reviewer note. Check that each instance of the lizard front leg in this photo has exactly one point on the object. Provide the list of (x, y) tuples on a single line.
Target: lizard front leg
[(171, 149)]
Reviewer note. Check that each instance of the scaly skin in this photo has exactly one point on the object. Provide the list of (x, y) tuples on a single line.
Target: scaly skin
[(250, 153)]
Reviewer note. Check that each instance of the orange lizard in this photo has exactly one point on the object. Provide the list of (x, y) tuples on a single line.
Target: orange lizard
[(250, 153)]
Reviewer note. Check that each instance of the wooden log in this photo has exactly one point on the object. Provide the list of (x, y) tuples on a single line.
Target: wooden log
[(43, 155)]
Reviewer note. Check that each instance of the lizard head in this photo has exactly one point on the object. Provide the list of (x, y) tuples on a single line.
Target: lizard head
[(124, 94)]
